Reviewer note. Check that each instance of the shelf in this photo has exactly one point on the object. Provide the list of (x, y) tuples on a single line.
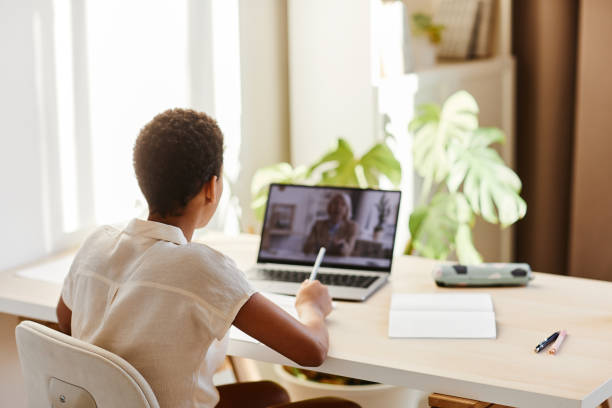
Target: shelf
[(460, 69), (453, 70)]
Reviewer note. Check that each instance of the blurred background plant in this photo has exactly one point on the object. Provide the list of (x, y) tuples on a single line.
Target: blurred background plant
[(426, 36), (383, 212), (423, 25), (463, 177), (338, 167)]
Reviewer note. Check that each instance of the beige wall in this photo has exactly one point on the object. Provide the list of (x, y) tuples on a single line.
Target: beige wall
[(265, 98), (591, 226)]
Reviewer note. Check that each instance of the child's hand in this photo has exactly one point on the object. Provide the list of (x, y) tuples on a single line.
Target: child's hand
[(313, 294)]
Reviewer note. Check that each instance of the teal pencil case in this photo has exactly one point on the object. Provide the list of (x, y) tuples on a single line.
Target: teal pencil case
[(486, 274)]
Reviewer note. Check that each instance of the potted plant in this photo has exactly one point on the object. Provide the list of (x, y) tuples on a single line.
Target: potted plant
[(463, 177), (425, 38), (383, 212), (303, 384), (338, 167)]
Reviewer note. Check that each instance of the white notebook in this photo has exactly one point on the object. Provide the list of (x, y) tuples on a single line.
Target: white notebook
[(442, 315)]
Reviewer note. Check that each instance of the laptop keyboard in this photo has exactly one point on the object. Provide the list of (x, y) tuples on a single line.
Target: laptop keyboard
[(332, 279)]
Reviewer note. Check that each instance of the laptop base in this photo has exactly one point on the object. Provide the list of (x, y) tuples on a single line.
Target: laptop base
[(335, 291)]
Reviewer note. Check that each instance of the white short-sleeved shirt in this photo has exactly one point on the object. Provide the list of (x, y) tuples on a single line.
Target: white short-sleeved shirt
[(163, 304)]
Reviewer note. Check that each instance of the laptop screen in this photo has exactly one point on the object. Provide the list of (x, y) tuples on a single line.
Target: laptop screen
[(356, 226)]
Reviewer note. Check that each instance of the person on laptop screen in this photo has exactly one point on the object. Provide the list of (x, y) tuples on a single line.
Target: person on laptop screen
[(338, 232), (356, 226)]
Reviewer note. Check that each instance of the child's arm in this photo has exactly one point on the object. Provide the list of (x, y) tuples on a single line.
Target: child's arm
[(305, 341), (64, 316)]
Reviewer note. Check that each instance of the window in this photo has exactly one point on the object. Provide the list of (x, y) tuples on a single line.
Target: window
[(116, 65)]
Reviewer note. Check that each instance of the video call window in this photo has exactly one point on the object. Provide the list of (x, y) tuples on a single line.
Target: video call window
[(357, 227)]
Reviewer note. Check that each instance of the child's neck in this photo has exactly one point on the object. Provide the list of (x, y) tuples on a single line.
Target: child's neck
[(196, 214), (186, 224)]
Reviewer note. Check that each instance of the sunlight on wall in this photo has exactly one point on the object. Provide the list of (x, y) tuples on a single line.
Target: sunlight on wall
[(137, 58), (227, 101), (62, 14)]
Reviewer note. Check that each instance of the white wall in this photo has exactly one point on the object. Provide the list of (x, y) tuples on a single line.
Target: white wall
[(265, 98), (330, 71), (21, 142)]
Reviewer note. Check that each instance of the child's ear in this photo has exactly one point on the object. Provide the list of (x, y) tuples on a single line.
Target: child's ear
[(210, 189)]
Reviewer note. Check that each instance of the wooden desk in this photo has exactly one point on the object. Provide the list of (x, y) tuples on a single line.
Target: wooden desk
[(505, 370)]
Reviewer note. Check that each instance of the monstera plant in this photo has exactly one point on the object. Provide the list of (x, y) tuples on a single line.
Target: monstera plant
[(338, 167), (463, 177)]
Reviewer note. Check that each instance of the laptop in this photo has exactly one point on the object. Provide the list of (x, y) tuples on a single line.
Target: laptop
[(356, 226)]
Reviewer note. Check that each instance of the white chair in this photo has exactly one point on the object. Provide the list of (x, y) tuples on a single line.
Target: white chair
[(63, 372)]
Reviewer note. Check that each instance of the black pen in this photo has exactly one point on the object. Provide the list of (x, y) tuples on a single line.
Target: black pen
[(546, 342)]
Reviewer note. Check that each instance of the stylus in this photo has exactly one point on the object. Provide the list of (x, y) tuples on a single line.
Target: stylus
[(315, 268)]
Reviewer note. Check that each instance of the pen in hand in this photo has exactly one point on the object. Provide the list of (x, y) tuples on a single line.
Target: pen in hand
[(315, 268), (546, 342)]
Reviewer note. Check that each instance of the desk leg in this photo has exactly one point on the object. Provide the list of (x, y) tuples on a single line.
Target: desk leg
[(244, 369), (448, 401)]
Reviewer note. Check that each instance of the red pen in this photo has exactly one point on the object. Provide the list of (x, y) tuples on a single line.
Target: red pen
[(555, 347)]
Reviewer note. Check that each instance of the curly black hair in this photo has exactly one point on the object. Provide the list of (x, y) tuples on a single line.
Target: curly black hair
[(175, 154)]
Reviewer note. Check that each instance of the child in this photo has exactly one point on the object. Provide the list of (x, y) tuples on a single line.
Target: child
[(165, 304)]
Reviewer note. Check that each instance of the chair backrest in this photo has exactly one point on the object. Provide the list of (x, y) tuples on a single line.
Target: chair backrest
[(61, 371)]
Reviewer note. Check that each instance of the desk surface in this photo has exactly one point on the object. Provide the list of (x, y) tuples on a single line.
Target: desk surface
[(503, 370)]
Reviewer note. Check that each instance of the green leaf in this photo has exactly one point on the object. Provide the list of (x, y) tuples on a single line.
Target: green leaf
[(434, 129), (443, 226), (341, 167), (426, 113), (491, 188), (451, 151), (337, 167), (429, 152), (380, 161), (463, 211), (433, 227), (266, 175), (342, 175), (416, 220), (466, 252), (277, 173), (456, 176), (459, 115), (341, 154), (486, 136)]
